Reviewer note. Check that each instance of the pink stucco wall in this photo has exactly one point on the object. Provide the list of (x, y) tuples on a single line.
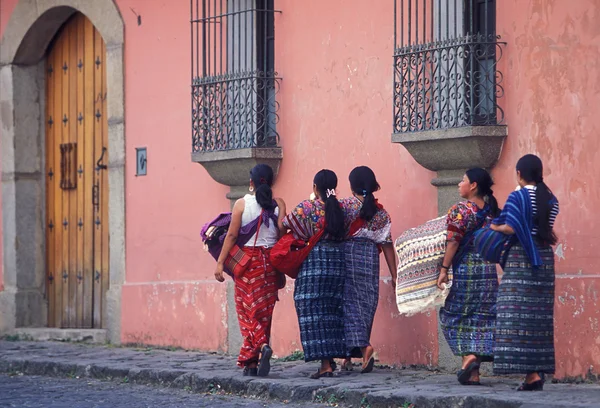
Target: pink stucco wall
[(335, 99)]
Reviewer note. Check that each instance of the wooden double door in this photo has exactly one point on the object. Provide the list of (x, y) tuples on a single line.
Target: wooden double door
[(76, 176)]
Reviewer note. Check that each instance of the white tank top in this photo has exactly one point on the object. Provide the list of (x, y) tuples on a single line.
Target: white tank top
[(267, 236)]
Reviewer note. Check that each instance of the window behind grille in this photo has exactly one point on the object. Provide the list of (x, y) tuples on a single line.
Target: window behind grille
[(234, 82), (445, 65)]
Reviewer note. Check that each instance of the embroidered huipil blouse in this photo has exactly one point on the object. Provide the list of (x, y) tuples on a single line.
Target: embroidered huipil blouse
[(378, 230)]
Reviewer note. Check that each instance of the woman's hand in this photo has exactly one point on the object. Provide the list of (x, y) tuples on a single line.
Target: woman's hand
[(504, 228), (219, 273), (443, 278)]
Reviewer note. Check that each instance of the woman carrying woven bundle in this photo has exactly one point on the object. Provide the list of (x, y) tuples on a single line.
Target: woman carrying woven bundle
[(468, 317), (319, 287), (525, 323), (370, 232), (256, 290)]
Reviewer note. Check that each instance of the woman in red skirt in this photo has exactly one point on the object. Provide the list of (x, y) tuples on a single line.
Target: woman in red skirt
[(256, 290)]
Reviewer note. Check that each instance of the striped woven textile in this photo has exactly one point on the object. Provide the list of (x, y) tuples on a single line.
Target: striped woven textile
[(525, 314), (255, 297), (319, 300), (420, 253), (361, 292)]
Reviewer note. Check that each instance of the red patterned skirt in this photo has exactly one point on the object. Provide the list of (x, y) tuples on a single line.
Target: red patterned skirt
[(255, 297)]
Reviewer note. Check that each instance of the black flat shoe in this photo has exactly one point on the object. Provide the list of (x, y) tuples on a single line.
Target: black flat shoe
[(369, 367), (250, 372), (534, 386), (265, 361), (464, 375)]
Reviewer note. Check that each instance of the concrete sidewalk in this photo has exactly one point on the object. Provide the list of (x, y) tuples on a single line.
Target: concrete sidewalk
[(213, 373)]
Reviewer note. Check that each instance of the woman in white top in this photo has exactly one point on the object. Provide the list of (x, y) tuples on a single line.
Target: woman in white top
[(256, 290)]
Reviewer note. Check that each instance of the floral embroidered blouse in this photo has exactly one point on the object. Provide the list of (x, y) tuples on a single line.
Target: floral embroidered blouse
[(306, 219), (378, 230), (465, 218)]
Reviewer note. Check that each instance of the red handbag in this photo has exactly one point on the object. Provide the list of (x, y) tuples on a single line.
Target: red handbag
[(288, 253), (238, 260)]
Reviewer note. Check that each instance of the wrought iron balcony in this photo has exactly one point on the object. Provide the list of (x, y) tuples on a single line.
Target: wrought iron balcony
[(234, 84), (446, 65), (235, 111)]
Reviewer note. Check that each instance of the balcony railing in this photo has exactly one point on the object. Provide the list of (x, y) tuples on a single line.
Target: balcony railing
[(234, 84), (446, 65)]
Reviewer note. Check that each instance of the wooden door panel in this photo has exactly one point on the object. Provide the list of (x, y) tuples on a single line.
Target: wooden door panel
[(51, 84), (80, 199), (88, 175), (71, 194), (55, 151), (64, 209), (77, 235)]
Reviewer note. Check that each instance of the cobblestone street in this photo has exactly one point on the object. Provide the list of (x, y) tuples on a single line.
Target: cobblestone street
[(36, 391), (172, 374)]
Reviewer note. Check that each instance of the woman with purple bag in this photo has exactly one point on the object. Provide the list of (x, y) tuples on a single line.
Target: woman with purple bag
[(256, 289)]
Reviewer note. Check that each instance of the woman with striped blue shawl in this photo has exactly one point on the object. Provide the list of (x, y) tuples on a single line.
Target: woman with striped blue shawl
[(525, 308)]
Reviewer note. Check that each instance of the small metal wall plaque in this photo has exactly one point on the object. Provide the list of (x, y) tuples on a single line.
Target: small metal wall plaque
[(141, 161)]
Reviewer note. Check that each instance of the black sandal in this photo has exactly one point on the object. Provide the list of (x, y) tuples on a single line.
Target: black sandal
[(534, 386), (265, 361), (319, 374), (369, 366), (465, 375)]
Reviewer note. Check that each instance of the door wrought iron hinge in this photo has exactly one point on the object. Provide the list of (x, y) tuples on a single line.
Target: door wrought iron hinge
[(99, 165)]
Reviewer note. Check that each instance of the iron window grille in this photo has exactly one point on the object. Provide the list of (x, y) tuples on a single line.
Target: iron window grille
[(234, 83), (445, 65)]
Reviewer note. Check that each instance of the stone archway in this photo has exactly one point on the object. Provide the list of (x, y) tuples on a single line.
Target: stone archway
[(29, 31)]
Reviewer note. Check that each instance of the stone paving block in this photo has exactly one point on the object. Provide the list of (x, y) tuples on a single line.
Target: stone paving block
[(288, 381)]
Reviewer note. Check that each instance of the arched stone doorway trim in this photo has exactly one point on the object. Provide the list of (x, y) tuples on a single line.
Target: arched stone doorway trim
[(30, 29)]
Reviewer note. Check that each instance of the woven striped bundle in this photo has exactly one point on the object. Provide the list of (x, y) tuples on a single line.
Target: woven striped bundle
[(420, 253)]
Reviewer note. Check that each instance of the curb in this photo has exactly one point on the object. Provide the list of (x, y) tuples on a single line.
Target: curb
[(261, 388)]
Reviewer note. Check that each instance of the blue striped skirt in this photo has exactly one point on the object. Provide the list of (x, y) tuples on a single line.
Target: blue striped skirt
[(468, 318), (361, 293), (525, 321), (318, 296)]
